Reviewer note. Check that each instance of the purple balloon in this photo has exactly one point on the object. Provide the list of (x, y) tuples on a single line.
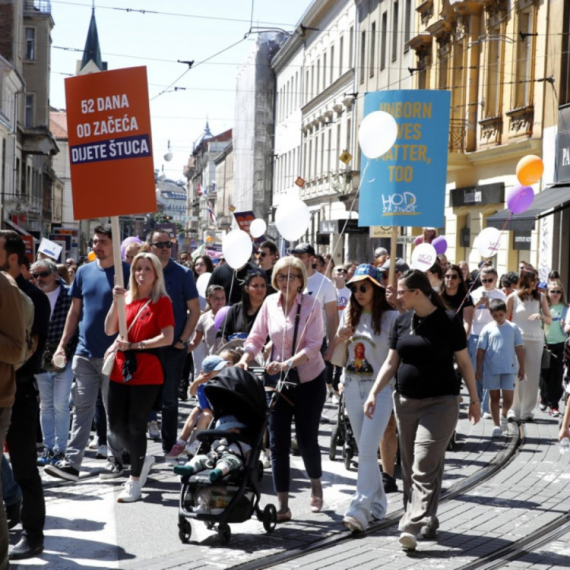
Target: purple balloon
[(440, 244), (520, 198), (220, 316)]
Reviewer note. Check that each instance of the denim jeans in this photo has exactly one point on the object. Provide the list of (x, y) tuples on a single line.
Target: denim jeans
[(369, 498), (89, 379), (55, 389), (4, 423), (173, 360), (482, 394), (11, 492)]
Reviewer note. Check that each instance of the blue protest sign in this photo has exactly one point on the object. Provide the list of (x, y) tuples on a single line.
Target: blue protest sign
[(406, 185)]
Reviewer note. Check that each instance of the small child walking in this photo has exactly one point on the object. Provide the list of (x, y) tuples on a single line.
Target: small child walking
[(499, 348)]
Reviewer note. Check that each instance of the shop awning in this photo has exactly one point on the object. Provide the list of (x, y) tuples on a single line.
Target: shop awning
[(553, 199)]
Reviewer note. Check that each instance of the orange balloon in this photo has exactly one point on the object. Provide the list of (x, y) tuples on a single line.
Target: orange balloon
[(530, 169), (91, 256), (209, 239)]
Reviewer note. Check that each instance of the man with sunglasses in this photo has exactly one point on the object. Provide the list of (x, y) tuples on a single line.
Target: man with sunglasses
[(91, 298), (481, 297), (21, 435), (268, 256), (181, 288)]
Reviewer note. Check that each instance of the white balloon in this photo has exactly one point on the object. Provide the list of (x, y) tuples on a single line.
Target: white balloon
[(237, 248), (377, 134), (202, 284), (487, 242), (423, 256), (292, 219), (257, 228)]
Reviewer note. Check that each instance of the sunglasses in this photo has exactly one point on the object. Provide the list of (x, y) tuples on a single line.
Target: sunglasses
[(359, 288), (454, 276), (487, 280), (42, 274), (162, 244), (555, 292)]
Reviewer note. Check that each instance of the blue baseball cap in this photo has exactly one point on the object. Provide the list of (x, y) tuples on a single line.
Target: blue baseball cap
[(213, 364), (366, 271)]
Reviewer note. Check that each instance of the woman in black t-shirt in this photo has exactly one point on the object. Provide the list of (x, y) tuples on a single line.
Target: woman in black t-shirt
[(456, 296), (423, 343)]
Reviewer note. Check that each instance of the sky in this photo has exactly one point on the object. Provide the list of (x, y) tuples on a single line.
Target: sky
[(157, 34)]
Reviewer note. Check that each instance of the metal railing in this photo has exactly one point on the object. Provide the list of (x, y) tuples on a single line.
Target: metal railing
[(457, 135), (38, 6)]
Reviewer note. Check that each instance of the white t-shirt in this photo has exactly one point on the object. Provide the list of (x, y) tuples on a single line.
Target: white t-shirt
[(207, 327), (482, 315), (323, 289), (52, 296), (343, 297), (367, 351)]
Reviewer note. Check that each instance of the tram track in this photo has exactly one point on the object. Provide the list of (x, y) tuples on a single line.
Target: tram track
[(499, 462)]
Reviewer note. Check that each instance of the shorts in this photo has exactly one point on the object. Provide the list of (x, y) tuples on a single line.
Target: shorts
[(202, 400), (499, 381)]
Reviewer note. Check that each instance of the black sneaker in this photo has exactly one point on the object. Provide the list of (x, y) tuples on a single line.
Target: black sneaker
[(45, 458), (390, 485), (63, 470), (112, 470)]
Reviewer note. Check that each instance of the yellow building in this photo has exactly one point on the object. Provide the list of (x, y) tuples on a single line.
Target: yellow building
[(502, 61)]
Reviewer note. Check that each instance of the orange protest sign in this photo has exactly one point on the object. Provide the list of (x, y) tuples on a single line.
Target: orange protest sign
[(110, 146)]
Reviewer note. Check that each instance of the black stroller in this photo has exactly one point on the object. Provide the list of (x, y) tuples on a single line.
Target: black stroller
[(343, 436), (239, 393)]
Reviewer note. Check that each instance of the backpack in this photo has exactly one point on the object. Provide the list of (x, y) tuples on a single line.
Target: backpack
[(28, 310)]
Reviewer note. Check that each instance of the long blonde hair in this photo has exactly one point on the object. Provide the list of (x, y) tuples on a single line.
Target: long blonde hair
[(158, 288)]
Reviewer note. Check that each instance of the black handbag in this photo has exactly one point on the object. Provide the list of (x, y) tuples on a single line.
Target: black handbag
[(291, 376)]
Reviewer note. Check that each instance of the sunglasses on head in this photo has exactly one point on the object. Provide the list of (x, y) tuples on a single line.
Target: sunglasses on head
[(162, 244), (487, 280), (42, 274)]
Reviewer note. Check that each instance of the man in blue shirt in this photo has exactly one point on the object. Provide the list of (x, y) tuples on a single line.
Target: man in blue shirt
[(92, 295), (182, 291)]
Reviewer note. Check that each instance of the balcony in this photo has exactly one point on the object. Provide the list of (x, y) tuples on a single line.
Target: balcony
[(457, 135), (43, 6)]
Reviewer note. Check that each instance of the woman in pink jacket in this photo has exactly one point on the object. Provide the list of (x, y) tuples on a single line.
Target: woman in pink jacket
[(303, 401)]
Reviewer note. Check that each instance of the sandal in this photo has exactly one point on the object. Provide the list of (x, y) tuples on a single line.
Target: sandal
[(316, 504), (285, 516)]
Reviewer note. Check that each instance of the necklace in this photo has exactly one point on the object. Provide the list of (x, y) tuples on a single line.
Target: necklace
[(420, 320)]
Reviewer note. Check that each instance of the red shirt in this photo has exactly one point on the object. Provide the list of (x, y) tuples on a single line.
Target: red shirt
[(148, 325)]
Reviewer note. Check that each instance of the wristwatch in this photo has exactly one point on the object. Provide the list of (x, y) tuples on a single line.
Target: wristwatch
[(141, 345), (184, 343)]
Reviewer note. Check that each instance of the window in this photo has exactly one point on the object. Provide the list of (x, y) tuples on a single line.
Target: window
[(384, 40), (30, 44), (329, 151), (395, 32), (332, 65), (338, 149), (309, 160), (348, 133), (324, 70), (351, 47), (323, 150), (340, 55), (316, 155), (493, 95), (407, 25), (318, 83), (312, 92), (296, 93), (307, 84), (29, 111), (523, 92), (372, 49), (442, 72), (362, 56)]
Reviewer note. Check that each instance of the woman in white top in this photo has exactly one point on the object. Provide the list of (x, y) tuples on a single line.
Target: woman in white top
[(365, 325), (528, 309)]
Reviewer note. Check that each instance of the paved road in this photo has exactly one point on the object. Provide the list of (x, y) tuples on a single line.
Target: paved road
[(87, 528)]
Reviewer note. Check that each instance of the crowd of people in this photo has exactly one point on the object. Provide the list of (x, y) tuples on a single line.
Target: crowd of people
[(395, 354)]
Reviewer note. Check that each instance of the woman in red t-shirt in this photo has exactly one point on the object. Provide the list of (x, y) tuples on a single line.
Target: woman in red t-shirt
[(137, 375)]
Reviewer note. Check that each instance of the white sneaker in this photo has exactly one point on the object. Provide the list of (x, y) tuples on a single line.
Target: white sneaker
[(408, 541), (487, 416), (147, 466), (497, 432), (266, 458), (504, 425), (93, 444), (153, 431), (192, 449), (102, 452), (335, 399), (131, 492)]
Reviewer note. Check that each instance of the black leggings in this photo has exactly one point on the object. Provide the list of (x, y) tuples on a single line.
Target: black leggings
[(128, 411)]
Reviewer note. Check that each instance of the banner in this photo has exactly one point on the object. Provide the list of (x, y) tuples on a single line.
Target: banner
[(110, 148), (406, 185), (49, 248)]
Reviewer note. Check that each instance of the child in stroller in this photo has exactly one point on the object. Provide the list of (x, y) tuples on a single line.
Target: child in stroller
[(229, 457)]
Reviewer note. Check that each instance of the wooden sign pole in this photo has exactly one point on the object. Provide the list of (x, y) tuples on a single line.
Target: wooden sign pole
[(119, 276), (393, 254)]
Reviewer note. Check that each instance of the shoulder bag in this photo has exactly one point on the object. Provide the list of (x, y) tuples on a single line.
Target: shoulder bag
[(109, 357)]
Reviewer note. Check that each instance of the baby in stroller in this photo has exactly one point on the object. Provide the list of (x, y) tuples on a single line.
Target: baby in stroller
[(223, 457)]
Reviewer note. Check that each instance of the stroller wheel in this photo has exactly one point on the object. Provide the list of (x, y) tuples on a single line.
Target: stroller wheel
[(184, 530), (224, 533), (332, 448), (269, 518)]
